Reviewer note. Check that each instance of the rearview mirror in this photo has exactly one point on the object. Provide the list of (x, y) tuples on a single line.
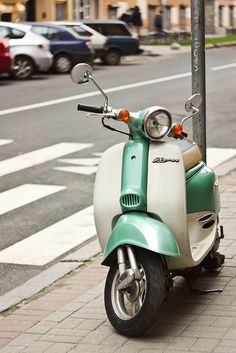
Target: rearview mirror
[(193, 102), (81, 73)]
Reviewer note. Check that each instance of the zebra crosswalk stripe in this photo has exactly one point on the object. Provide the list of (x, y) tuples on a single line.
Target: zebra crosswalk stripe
[(53, 241), (39, 156), (24, 194), (5, 142)]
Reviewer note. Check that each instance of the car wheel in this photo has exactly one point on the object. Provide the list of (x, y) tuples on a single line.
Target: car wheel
[(23, 68), (112, 57), (62, 64)]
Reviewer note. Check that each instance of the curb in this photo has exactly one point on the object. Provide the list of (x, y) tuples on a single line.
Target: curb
[(150, 52), (47, 277)]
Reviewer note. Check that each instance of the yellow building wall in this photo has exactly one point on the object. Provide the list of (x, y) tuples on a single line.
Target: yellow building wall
[(46, 9), (15, 8)]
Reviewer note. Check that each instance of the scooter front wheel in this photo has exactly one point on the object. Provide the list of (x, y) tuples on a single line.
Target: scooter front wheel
[(133, 310)]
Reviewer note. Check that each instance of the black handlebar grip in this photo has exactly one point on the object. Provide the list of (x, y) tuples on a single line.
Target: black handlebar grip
[(88, 108)]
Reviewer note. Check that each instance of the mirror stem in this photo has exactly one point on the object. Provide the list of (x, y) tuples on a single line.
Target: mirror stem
[(195, 111), (102, 92)]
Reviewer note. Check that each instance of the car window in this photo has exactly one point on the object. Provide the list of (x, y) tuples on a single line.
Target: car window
[(47, 32), (99, 28), (54, 34), (16, 34), (43, 31), (116, 30), (81, 31), (4, 32), (110, 29)]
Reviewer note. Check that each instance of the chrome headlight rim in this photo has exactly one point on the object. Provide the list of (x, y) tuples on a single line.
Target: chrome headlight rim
[(154, 113)]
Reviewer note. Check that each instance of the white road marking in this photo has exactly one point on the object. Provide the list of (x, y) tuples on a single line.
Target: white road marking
[(223, 67), (53, 241), (24, 194), (85, 166), (94, 93), (78, 169), (40, 156), (217, 156), (80, 161), (5, 142)]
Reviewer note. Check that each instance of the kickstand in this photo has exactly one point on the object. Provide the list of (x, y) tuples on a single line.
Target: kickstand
[(201, 291), (204, 291)]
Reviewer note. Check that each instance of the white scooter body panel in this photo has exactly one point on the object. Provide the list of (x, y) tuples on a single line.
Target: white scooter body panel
[(166, 200), (166, 196), (107, 192)]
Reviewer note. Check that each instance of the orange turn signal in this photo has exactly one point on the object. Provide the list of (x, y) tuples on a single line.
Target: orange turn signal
[(177, 129), (124, 115)]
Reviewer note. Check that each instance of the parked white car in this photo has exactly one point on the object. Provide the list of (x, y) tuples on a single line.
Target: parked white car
[(98, 40), (30, 52)]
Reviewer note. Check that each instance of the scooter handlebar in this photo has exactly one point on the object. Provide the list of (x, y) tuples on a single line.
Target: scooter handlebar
[(88, 108)]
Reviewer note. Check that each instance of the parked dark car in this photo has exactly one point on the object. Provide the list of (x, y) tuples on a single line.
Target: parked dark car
[(67, 47), (120, 40), (97, 39), (5, 58)]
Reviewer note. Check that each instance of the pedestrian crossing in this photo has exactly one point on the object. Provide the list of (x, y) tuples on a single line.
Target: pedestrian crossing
[(39, 156), (43, 247)]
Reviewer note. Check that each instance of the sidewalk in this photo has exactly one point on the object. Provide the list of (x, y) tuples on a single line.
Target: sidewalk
[(164, 50), (69, 316), (161, 50)]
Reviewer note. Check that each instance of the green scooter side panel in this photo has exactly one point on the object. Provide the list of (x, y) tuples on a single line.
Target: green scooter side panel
[(202, 191), (134, 176), (137, 228)]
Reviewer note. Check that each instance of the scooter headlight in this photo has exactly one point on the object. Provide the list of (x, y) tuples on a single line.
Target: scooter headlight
[(157, 124)]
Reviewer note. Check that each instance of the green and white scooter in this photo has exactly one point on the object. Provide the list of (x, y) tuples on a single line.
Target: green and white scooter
[(156, 210)]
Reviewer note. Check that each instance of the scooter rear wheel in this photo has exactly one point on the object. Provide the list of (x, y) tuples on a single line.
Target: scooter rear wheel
[(133, 310)]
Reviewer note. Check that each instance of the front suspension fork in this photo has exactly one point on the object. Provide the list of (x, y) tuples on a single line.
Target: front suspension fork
[(121, 258), (128, 270)]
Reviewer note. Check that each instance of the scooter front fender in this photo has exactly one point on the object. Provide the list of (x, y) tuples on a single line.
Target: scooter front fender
[(139, 229)]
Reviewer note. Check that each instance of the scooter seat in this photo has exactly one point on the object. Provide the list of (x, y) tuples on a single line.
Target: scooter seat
[(191, 153)]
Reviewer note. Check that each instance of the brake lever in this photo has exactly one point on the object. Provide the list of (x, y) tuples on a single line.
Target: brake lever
[(93, 114), (105, 115)]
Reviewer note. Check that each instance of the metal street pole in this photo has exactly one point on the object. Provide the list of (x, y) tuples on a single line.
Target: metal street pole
[(198, 71)]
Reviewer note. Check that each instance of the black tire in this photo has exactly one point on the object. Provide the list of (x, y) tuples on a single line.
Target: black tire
[(62, 64), (154, 292), (112, 57), (23, 68)]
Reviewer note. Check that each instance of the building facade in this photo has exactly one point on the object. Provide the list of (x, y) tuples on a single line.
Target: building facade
[(220, 14), (12, 10)]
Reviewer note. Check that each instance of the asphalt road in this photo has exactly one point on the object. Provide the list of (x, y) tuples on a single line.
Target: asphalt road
[(35, 125)]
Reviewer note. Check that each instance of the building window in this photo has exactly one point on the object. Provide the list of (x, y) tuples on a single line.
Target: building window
[(182, 24), (167, 17), (220, 16), (112, 11), (231, 16), (60, 12), (6, 17), (84, 9), (87, 9)]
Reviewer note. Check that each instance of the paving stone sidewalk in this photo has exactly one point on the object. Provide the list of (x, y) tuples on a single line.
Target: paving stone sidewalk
[(69, 316)]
